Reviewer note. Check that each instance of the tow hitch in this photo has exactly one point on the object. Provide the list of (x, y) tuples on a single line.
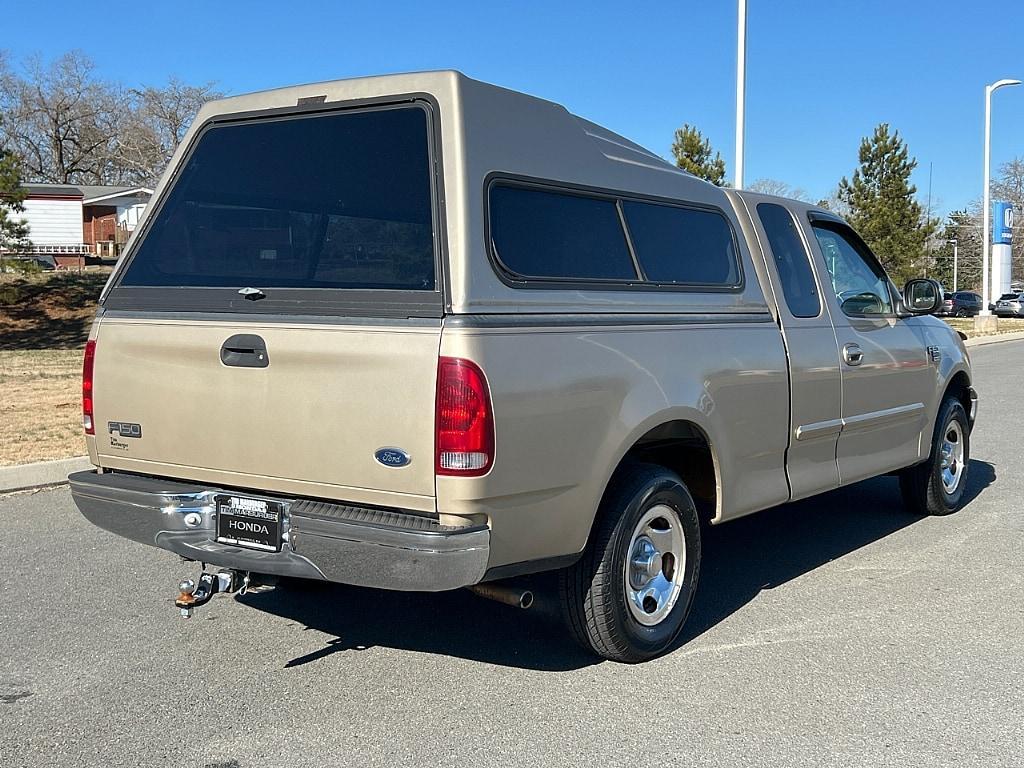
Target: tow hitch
[(192, 595)]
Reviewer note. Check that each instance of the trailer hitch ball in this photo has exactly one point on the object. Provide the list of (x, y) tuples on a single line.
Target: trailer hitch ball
[(185, 601), (191, 595)]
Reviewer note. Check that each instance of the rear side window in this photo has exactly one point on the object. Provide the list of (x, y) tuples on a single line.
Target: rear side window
[(339, 200), (792, 261), (545, 234), (688, 246)]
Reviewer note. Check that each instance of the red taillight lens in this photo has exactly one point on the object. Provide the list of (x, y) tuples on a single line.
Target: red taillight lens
[(87, 420), (465, 423)]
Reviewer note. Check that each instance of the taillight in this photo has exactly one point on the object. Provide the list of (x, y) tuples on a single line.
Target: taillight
[(87, 420), (465, 422)]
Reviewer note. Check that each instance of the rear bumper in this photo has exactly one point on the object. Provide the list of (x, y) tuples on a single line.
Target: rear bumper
[(387, 549)]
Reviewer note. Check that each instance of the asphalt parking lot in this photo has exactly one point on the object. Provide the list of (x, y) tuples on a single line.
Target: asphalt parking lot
[(839, 631)]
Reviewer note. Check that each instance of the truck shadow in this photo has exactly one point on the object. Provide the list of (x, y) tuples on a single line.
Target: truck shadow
[(766, 550), (740, 560)]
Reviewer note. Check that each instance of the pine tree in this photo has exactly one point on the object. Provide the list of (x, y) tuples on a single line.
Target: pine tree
[(693, 154), (13, 230), (882, 206)]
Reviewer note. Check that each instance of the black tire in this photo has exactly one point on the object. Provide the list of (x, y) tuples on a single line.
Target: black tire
[(922, 485), (594, 590), (962, 313)]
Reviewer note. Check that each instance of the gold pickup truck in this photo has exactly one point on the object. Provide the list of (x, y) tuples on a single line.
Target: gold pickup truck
[(419, 332)]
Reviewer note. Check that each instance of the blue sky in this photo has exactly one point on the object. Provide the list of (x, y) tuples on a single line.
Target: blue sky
[(820, 74)]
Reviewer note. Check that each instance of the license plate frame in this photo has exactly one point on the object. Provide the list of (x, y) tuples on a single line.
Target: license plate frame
[(249, 522)]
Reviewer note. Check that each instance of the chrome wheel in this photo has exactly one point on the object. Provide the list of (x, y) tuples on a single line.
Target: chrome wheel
[(951, 457), (655, 566)]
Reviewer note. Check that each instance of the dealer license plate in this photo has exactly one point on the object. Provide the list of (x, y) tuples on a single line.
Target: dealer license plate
[(248, 522)]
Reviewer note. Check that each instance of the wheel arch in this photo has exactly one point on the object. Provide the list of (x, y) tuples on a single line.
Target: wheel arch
[(959, 385), (680, 441), (957, 382)]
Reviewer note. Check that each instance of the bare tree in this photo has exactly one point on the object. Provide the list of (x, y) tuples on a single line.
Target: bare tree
[(1009, 186), (779, 189), (61, 120), (156, 123), (68, 126), (835, 203)]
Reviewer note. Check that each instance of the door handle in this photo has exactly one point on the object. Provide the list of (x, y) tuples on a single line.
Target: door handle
[(853, 354), (245, 350)]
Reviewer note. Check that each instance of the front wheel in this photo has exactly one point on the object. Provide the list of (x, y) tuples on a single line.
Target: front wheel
[(628, 597), (936, 487)]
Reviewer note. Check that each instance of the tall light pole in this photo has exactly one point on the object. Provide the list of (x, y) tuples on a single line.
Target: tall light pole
[(955, 246), (741, 86), (985, 204)]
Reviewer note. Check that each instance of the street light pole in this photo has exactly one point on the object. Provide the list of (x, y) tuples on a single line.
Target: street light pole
[(985, 204), (741, 86), (955, 246)]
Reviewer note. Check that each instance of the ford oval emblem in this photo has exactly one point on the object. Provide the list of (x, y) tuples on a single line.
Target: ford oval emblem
[(392, 457)]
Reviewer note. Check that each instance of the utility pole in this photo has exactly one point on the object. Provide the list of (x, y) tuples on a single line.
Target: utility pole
[(955, 246), (741, 87), (928, 220)]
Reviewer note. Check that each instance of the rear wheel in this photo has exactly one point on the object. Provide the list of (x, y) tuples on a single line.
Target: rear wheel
[(962, 313), (936, 487), (629, 595)]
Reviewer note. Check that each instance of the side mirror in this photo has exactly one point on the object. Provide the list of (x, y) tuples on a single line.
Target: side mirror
[(922, 297)]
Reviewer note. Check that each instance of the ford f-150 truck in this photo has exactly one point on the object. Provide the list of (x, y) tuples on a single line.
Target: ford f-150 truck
[(419, 332)]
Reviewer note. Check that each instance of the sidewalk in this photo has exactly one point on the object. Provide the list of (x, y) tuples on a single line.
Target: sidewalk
[(41, 474), (980, 341)]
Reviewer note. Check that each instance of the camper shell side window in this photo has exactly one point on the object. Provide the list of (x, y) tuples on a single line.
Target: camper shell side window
[(544, 234)]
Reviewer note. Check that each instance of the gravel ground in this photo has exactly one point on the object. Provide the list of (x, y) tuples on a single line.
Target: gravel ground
[(838, 631)]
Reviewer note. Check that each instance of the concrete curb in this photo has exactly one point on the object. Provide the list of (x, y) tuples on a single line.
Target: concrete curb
[(981, 341), (41, 474)]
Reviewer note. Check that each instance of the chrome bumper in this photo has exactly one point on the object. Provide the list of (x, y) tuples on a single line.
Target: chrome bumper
[(351, 545)]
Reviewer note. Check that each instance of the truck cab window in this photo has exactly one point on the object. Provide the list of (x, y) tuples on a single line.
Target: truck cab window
[(861, 286), (791, 260)]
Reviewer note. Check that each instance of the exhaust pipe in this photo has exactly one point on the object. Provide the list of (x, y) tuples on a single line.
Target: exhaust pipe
[(517, 598)]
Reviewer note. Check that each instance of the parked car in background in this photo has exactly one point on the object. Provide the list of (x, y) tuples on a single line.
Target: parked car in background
[(1010, 305), (961, 304), (21, 263), (1004, 297)]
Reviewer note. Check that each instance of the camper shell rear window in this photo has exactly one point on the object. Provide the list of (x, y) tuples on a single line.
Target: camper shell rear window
[(314, 210)]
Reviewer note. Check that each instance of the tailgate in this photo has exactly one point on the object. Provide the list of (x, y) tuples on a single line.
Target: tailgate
[(328, 399)]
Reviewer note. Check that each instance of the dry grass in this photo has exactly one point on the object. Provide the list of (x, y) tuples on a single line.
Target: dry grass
[(41, 405), (44, 321), (51, 310)]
